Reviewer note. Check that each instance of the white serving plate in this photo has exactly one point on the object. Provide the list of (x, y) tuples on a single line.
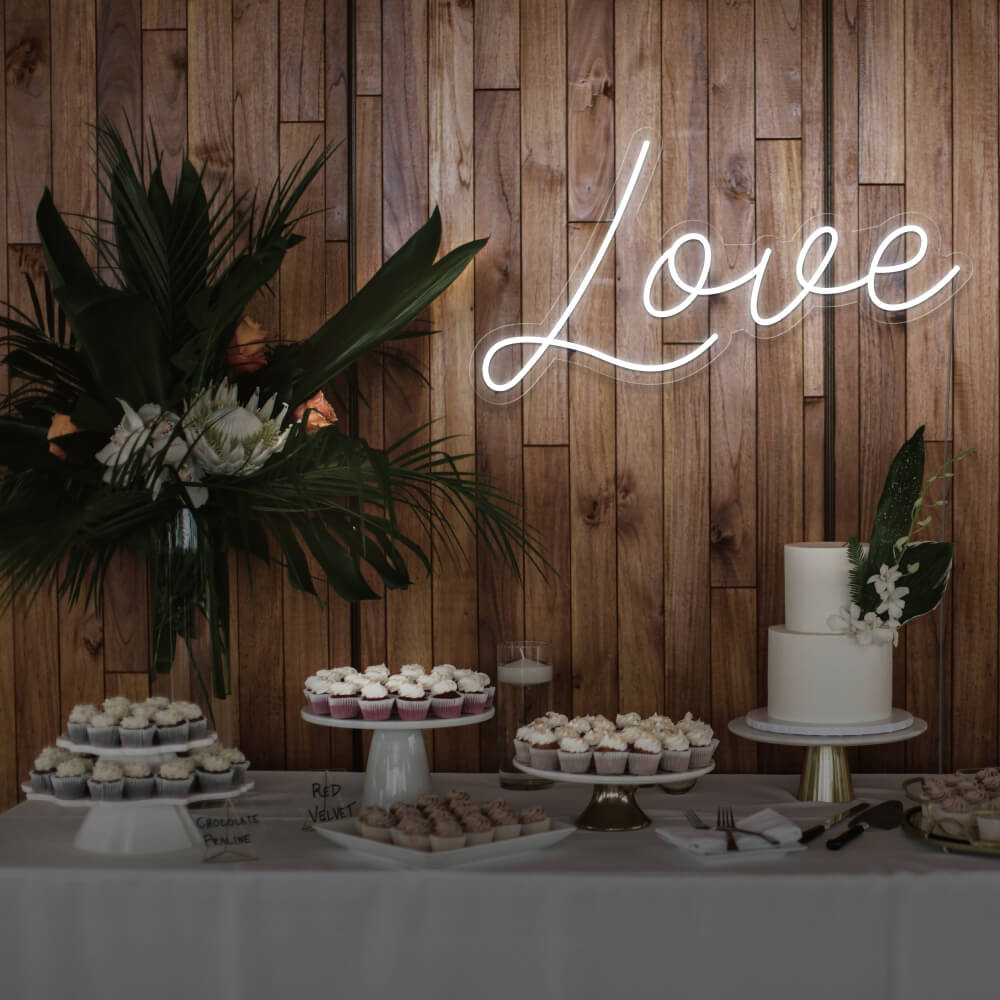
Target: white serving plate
[(153, 801), (343, 832), (769, 853), (397, 725), (897, 720), (593, 778), (120, 752)]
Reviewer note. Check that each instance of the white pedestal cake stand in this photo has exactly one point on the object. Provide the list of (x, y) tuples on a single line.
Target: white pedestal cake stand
[(825, 774), (397, 768), (612, 807)]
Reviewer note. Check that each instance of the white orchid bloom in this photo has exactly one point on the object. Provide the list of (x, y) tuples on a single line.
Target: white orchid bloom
[(893, 602), (885, 579), (845, 620)]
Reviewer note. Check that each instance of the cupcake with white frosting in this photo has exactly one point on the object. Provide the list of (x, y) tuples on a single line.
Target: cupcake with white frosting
[(70, 779), (340, 673), (446, 670), (676, 750), (412, 701), (574, 755), (543, 748), (522, 748), (644, 755), (139, 780), (214, 773), (239, 763), (102, 730), (197, 723), (446, 699), (343, 699), (79, 720), (175, 779), (623, 720), (171, 726), (703, 743), (377, 672), (394, 682), (473, 693), (45, 767), (157, 702), (317, 692), (106, 782), (611, 754), (375, 702), (489, 687), (411, 671), (117, 707), (137, 730)]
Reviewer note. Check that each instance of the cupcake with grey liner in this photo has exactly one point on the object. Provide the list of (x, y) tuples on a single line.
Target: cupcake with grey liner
[(543, 748), (478, 828), (376, 823), (239, 763), (676, 750), (214, 772), (412, 702), (343, 699), (574, 755), (117, 707), (473, 693), (106, 782), (139, 780), (171, 726), (534, 819), (175, 779), (375, 702), (79, 720), (102, 730), (197, 723), (45, 766), (70, 779), (611, 754), (644, 755), (157, 702), (137, 730), (446, 700), (317, 692)]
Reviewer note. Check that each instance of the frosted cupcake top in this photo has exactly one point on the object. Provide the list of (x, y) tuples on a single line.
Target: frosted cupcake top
[(411, 670), (103, 720), (376, 817), (107, 770), (475, 822), (471, 684), (175, 770), (137, 770), (573, 744), (444, 685), (445, 670), (50, 758), (532, 814), (394, 682), (377, 672), (627, 719), (374, 691), (157, 701), (316, 684), (343, 689), (168, 717), (214, 763), (612, 742), (116, 706), (340, 673), (647, 743), (674, 740), (555, 719), (234, 755), (410, 691), (699, 734), (414, 825), (82, 713), (135, 722), (592, 737), (75, 767)]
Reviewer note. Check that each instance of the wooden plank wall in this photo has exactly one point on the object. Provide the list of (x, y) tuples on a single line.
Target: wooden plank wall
[(664, 507)]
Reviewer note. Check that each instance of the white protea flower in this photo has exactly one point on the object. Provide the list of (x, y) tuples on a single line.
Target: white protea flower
[(230, 438)]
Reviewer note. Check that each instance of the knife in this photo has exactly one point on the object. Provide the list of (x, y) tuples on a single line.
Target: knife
[(814, 831), (884, 816)]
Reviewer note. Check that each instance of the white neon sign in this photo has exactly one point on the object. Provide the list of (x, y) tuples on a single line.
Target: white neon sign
[(808, 285)]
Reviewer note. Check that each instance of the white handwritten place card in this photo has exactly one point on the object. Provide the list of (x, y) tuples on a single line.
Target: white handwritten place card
[(227, 834), (328, 802)]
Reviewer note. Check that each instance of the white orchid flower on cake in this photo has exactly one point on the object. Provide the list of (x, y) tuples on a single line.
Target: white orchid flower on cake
[(866, 629), (847, 619), (231, 438)]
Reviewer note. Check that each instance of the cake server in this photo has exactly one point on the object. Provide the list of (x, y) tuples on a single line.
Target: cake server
[(814, 831), (884, 816)]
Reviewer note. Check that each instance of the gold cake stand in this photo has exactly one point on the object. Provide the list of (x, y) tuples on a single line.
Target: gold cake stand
[(612, 807), (825, 776)]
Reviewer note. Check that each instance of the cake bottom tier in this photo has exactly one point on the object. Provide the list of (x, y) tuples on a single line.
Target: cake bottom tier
[(826, 678)]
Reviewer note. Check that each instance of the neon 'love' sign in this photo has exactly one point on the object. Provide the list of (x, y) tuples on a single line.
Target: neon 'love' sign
[(809, 284)]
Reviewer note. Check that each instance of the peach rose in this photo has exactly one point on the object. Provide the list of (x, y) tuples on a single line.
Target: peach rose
[(59, 427), (249, 349), (320, 413)]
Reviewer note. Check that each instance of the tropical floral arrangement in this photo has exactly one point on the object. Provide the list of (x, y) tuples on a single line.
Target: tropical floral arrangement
[(149, 412), (898, 577)]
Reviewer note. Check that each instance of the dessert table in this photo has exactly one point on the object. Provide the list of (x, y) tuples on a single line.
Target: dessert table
[(887, 917)]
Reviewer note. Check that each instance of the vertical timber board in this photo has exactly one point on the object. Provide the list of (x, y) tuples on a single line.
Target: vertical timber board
[(451, 103), (928, 197), (164, 98), (814, 466), (592, 509), (734, 628), (543, 215), (337, 96), (882, 399), (498, 301), (210, 91), (368, 47), (778, 75), (638, 408), (134, 686), (881, 92), (29, 114), (496, 44), (731, 214), (974, 683), (303, 308), (844, 143), (779, 412), (686, 501), (9, 778), (590, 109), (301, 60), (164, 14), (813, 182)]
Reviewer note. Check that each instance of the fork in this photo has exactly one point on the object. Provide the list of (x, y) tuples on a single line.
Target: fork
[(720, 824), (724, 820)]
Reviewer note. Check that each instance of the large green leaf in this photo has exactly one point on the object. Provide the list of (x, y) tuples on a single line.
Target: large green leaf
[(64, 260), (928, 584)]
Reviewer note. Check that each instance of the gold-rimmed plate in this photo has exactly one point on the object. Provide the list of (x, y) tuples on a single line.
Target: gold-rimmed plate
[(915, 824)]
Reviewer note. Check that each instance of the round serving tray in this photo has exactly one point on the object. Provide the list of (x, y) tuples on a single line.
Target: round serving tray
[(151, 801), (898, 719), (914, 824), (397, 725), (592, 778), (123, 753)]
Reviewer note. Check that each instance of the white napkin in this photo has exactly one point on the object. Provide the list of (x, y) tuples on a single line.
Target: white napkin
[(714, 841)]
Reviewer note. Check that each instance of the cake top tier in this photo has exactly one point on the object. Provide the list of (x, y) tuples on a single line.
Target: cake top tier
[(816, 584)]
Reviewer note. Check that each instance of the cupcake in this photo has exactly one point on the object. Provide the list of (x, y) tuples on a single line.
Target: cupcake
[(394, 682), (553, 719), (70, 779), (343, 700), (703, 743), (197, 723), (454, 796), (137, 731), (117, 708), (377, 672), (601, 724), (489, 687), (175, 779), (592, 737), (522, 748), (215, 773), (102, 730), (622, 721), (412, 702), (139, 780), (339, 674), (412, 831), (411, 671), (45, 766), (473, 695), (375, 702), (238, 762), (428, 801), (106, 782), (427, 681), (506, 826), (446, 701), (478, 829), (447, 835), (317, 692), (988, 825), (444, 670), (543, 749), (676, 750), (533, 820), (171, 726), (644, 756), (157, 703), (79, 720), (574, 755), (580, 724), (376, 824), (611, 754)]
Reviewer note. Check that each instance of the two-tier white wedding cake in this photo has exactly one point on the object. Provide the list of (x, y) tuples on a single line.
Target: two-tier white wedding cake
[(816, 676)]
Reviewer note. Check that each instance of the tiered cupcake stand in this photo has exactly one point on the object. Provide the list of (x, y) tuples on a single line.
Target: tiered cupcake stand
[(138, 826), (612, 807), (397, 768), (826, 776)]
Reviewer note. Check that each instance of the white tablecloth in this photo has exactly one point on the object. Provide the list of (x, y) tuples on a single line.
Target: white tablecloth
[(597, 914)]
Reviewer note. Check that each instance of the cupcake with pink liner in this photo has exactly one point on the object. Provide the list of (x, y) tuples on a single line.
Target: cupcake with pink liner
[(574, 755), (412, 702), (533, 820), (543, 749), (478, 829), (102, 730), (506, 825), (137, 730), (611, 754), (376, 823), (317, 692), (412, 831), (489, 687), (446, 834), (446, 700), (473, 694), (676, 750), (375, 702), (644, 757), (343, 699), (79, 719), (106, 782)]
